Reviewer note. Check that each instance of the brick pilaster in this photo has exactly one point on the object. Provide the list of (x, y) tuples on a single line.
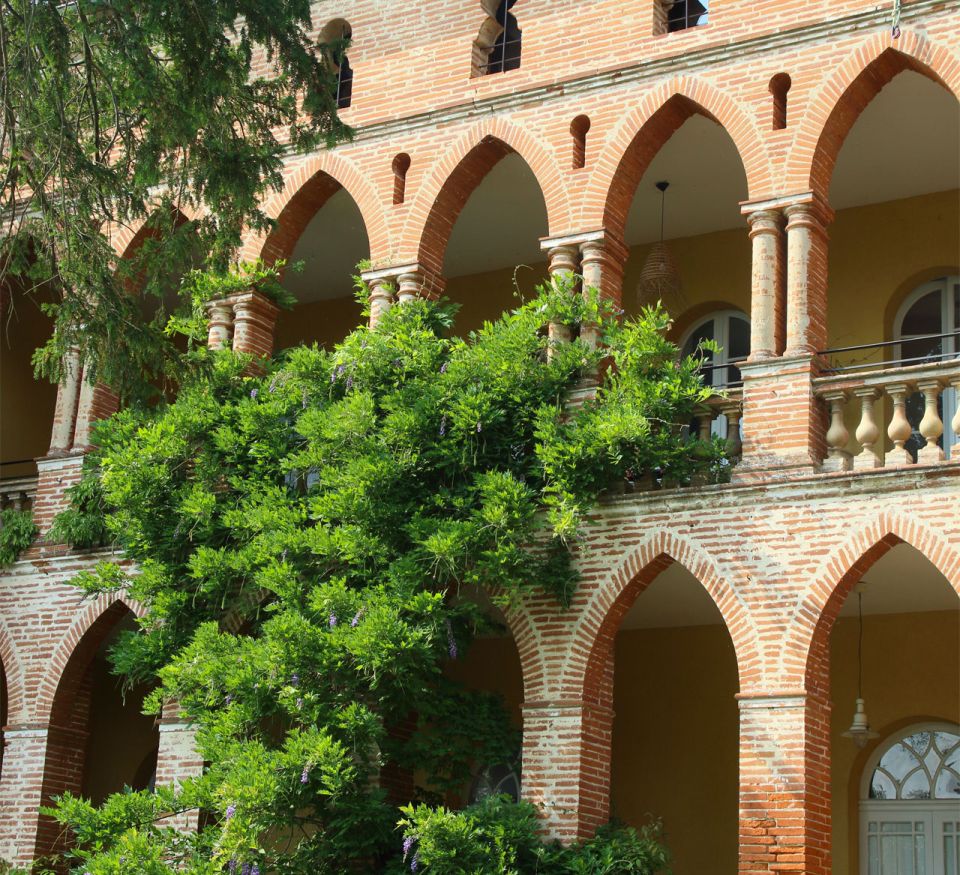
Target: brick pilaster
[(566, 766), (178, 759), (55, 474), (24, 753), (784, 784)]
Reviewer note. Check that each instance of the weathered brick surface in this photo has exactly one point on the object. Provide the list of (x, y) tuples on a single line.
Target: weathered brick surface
[(778, 550)]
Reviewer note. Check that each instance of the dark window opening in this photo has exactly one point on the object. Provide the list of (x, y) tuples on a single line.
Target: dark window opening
[(505, 51), (683, 14), (335, 40), (401, 164), (578, 130)]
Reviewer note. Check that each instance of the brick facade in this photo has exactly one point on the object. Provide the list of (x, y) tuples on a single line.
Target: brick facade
[(777, 550)]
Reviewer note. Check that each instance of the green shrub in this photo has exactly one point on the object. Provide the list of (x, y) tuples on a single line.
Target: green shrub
[(17, 531)]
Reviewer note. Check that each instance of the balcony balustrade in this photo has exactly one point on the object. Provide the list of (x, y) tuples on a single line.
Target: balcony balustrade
[(17, 493)]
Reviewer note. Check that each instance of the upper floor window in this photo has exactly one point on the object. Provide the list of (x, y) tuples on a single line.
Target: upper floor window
[(674, 15), (497, 48), (730, 330), (335, 39), (927, 331)]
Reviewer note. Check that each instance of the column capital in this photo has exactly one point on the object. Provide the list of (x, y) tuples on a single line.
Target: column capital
[(809, 210), (574, 239), (765, 221)]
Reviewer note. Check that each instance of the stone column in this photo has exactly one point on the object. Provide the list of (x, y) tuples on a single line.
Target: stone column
[(784, 783), (562, 262), (255, 318), (766, 282), (97, 401), (406, 281), (409, 286), (220, 322), (65, 413), (381, 300), (177, 759), (566, 766), (807, 221)]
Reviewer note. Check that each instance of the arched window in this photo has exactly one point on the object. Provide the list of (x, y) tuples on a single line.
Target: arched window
[(779, 86), (578, 132), (497, 48), (401, 164), (335, 39), (730, 330), (674, 15), (927, 329), (499, 780), (910, 804)]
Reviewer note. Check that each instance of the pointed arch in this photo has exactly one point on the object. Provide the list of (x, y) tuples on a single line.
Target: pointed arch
[(307, 186), (817, 612), (643, 132), (453, 178), (75, 650), (844, 94), (125, 239)]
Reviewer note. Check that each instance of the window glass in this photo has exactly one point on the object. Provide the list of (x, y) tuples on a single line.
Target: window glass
[(923, 317)]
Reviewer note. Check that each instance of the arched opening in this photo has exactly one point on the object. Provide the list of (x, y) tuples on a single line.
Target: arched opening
[(26, 404), (335, 40), (497, 47), (779, 87), (322, 227), (675, 729), (98, 740), (482, 234), (894, 187), (401, 164), (697, 217), (901, 660)]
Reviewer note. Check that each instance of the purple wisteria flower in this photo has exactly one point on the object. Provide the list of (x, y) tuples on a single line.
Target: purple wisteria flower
[(253, 393), (349, 382), (408, 843), (415, 862), (356, 619), (245, 869), (294, 680), (305, 775), (232, 866), (228, 698), (451, 641), (299, 703), (231, 810), (255, 869), (443, 426), (443, 367), (332, 620), (478, 428)]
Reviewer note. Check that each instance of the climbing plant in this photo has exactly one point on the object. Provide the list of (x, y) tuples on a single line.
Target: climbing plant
[(308, 540)]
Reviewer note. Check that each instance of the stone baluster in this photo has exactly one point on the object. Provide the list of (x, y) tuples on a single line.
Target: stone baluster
[(838, 457), (704, 417), (899, 430), (563, 268), (220, 324), (381, 299), (931, 427), (731, 409), (868, 432), (765, 232)]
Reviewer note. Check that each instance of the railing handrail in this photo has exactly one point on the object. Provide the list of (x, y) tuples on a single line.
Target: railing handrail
[(909, 374), (885, 343)]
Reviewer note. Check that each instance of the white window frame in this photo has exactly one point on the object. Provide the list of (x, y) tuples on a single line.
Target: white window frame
[(951, 345), (934, 813)]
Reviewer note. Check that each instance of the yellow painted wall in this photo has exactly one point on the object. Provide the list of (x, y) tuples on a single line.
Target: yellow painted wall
[(675, 738)]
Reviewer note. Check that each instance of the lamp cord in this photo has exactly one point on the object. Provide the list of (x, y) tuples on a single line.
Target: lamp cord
[(663, 206), (860, 646)]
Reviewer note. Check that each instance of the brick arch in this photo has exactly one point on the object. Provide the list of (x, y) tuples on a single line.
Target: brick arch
[(815, 616), (307, 187), (126, 238), (458, 172), (643, 132), (13, 674), (846, 91), (75, 650), (588, 669)]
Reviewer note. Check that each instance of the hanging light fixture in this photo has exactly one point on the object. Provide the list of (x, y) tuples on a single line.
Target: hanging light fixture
[(859, 729), (660, 279)]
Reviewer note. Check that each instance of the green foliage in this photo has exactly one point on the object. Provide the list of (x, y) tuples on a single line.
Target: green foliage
[(17, 531), (498, 835), (307, 542), (120, 111), (82, 523)]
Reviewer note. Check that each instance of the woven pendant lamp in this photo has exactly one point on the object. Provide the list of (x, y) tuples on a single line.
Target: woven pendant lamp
[(660, 279)]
